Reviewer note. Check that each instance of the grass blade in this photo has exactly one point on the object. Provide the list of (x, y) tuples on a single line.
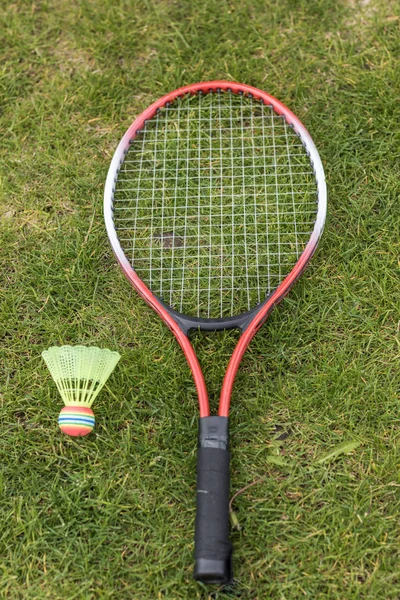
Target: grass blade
[(343, 448)]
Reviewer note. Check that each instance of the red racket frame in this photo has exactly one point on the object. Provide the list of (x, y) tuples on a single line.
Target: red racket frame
[(277, 295)]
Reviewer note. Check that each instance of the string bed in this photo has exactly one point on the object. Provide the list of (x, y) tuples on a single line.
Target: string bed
[(214, 203)]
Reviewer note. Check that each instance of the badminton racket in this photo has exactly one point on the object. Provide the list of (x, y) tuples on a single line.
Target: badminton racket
[(214, 203)]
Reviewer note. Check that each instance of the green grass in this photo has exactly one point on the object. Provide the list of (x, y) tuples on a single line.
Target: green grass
[(112, 516)]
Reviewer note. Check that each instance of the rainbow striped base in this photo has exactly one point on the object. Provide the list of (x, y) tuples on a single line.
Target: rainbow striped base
[(76, 420)]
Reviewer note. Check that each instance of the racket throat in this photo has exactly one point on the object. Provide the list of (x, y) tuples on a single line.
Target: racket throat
[(188, 323)]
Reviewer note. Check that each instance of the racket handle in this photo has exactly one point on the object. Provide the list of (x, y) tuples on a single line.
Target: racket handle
[(213, 550)]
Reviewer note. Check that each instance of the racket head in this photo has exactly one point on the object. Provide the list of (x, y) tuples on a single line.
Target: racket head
[(214, 203)]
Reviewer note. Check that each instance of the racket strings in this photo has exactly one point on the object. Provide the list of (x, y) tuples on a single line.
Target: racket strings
[(214, 203)]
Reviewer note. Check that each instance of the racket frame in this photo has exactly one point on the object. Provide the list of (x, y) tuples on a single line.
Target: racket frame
[(251, 321)]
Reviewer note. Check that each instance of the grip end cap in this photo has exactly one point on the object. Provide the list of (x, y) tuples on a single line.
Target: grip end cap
[(213, 571)]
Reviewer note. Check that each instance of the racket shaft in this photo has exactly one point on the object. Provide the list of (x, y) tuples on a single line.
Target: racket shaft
[(213, 549)]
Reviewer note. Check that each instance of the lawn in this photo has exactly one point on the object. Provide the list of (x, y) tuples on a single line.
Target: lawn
[(315, 411)]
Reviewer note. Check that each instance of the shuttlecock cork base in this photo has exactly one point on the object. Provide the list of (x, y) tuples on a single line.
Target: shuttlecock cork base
[(79, 373), (76, 420)]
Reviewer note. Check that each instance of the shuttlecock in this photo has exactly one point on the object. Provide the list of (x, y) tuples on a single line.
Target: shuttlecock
[(79, 373)]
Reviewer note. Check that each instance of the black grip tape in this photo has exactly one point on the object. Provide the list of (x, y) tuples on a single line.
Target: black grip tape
[(213, 550)]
